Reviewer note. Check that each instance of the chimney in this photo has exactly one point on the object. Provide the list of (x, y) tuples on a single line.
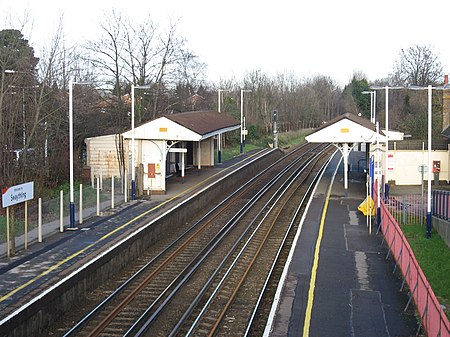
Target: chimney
[(445, 105)]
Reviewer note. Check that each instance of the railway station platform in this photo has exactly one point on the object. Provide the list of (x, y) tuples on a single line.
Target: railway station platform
[(338, 281)]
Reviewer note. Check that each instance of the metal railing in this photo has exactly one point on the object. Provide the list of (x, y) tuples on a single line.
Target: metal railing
[(433, 318)]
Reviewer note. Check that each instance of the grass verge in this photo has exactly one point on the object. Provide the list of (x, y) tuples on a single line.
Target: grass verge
[(433, 256)]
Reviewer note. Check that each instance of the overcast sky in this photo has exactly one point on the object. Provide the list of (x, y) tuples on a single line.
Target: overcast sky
[(326, 37)]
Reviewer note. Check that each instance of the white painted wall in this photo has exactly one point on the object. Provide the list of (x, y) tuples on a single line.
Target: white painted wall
[(206, 152), (152, 152), (405, 164)]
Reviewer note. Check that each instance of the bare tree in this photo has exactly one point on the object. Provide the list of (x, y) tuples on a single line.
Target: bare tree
[(418, 65)]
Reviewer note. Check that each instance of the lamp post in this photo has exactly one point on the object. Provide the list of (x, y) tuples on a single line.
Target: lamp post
[(430, 163), (133, 181), (386, 183), (386, 174), (71, 202), (219, 140), (430, 95), (242, 118), (71, 197)]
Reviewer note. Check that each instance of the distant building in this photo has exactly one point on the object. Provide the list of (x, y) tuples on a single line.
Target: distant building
[(166, 145)]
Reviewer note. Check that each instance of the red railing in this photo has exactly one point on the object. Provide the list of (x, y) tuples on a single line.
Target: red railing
[(433, 317)]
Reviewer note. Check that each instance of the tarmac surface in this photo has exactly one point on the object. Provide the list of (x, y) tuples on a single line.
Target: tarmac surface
[(338, 283)]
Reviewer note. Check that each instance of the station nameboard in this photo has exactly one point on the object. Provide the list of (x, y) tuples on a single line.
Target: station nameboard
[(17, 194)]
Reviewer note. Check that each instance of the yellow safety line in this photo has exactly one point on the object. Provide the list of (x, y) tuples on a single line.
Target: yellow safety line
[(70, 257), (312, 282)]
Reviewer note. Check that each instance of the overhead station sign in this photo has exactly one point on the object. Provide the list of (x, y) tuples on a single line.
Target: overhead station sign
[(17, 194)]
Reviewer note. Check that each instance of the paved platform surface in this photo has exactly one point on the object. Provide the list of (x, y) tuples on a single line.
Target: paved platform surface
[(355, 291)]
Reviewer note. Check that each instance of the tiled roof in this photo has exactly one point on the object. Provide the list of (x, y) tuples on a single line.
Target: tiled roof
[(203, 122)]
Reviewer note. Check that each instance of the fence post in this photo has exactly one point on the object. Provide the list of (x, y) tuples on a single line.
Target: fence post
[(98, 196), (80, 212), (40, 220), (125, 191), (101, 179), (8, 243), (26, 226), (112, 191), (446, 205), (433, 204), (61, 211)]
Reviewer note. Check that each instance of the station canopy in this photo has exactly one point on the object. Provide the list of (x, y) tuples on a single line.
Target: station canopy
[(345, 132), (187, 126), (347, 128)]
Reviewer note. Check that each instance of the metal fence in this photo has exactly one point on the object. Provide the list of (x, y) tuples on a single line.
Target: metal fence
[(407, 209), (432, 315), (411, 208), (53, 217), (441, 204)]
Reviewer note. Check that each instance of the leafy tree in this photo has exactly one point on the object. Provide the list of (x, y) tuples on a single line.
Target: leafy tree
[(354, 100)]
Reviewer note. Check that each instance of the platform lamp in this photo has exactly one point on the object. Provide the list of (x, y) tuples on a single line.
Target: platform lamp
[(386, 183), (71, 197), (242, 118), (133, 181), (430, 113)]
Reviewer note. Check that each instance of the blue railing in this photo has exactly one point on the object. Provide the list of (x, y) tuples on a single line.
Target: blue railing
[(440, 204)]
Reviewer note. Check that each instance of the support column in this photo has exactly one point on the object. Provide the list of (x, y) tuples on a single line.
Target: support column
[(345, 149), (199, 155)]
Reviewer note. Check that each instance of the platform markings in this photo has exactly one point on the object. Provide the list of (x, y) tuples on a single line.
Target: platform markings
[(312, 282)]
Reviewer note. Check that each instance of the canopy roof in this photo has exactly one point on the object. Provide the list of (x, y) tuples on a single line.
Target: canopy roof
[(186, 126), (346, 128)]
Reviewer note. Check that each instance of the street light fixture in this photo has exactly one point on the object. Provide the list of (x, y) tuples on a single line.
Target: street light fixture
[(133, 181), (242, 118)]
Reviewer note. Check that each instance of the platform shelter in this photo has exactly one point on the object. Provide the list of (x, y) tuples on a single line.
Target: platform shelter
[(163, 146), (346, 132)]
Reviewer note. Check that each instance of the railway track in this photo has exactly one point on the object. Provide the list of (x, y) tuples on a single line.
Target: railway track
[(215, 277)]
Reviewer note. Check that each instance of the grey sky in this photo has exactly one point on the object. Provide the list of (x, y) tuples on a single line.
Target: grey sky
[(327, 37)]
